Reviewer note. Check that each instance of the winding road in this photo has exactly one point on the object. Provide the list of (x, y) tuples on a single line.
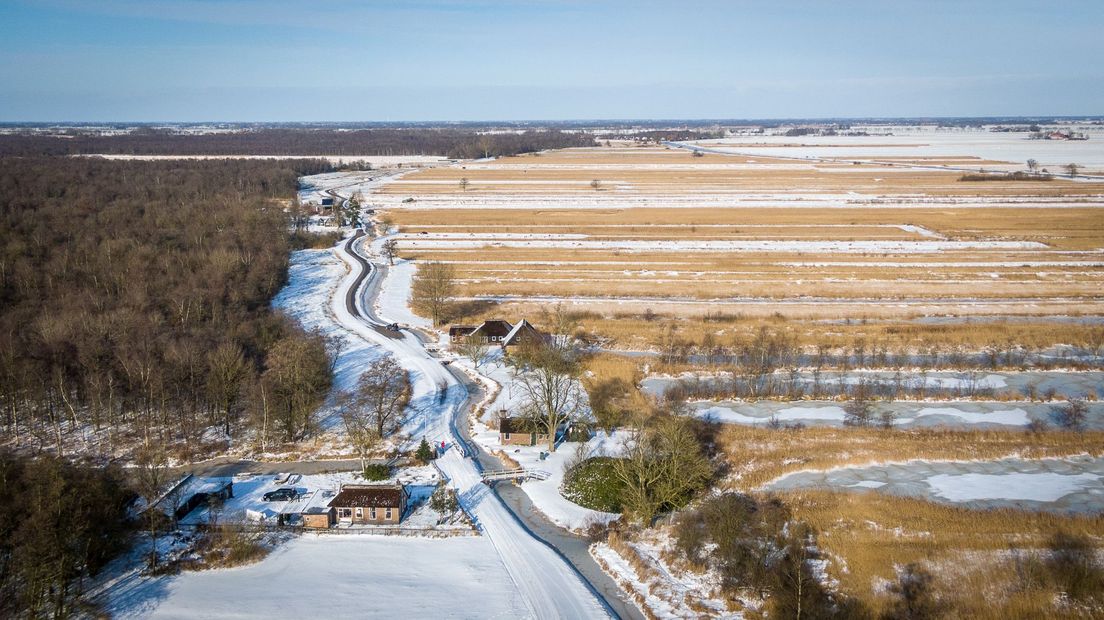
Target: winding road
[(551, 567)]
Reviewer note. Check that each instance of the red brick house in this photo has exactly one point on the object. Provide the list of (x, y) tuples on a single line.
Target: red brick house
[(362, 503)]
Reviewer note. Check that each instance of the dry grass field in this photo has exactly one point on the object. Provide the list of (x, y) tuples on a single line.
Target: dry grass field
[(973, 554), (669, 234)]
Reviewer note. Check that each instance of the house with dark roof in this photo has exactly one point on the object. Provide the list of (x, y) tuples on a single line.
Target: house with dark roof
[(365, 504), (496, 332), (522, 333), (493, 331), (519, 432)]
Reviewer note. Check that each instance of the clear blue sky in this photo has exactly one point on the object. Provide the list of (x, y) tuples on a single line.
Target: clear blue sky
[(284, 60)]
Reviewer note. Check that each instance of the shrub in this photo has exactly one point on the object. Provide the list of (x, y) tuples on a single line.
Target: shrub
[(444, 500), (1074, 567), (1071, 416), (915, 600), (594, 484), (377, 472)]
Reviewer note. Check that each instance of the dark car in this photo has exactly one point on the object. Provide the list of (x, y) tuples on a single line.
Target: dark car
[(281, 495), (393, 327)]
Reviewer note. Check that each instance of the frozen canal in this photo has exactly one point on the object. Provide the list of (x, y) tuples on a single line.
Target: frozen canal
[(1072, 485), (907, 414)]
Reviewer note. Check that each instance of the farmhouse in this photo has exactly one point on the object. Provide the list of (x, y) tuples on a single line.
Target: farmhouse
[(517, 432), (496, 331), (358, 503)]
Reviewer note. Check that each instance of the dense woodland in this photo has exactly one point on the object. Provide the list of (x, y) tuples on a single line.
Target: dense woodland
[(135, 305), (453, 143), (59, 525)]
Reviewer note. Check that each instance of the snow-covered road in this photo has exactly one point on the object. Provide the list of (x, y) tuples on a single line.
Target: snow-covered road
[(552, 587)]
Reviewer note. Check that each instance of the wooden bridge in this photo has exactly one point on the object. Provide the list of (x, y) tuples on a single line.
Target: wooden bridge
[(511, 474)]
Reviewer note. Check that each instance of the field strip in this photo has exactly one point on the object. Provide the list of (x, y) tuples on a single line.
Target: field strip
[(834, 247)]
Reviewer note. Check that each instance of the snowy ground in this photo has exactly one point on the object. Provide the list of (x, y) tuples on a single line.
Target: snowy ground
[(339, 576), (545, 494), (248, 504), (1071, 485), (439, 241), (1004, 384), (1014, 148)]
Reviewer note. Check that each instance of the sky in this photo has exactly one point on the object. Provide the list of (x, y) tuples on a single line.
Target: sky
[(439, 60)]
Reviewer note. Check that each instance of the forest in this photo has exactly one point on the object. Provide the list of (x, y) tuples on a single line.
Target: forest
[(135, 306), (453, 143)]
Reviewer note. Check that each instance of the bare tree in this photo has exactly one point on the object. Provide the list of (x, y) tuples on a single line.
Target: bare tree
[(475, 349), (859, 411), (464, 184), (390, 250), (433, 288), (1072, 169), (380, 397), (661, 468), (548, 379), (596, 184), (1072, 415), (227, 372), (1032, 165)]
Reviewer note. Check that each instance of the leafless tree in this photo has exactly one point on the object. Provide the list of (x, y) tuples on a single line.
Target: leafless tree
[(433, 288), (475, 349), (464, 184), (1032, 165), (1072, 169), (660, 467), (548, 378), (596, 184), (226, 375), (381, 395)]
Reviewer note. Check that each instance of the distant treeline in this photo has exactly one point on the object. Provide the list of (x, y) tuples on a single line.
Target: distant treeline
[(454, 143), (135, 303)]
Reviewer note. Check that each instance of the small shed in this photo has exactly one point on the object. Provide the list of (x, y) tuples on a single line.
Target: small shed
[(317, 512), (518, 432)]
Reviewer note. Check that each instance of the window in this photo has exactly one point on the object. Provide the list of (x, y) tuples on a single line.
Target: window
[(507, 436), (345, 513), (360, 513), (387, 514), (373, 513)]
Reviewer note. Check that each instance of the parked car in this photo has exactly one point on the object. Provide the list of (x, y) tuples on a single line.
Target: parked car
[(281, 495), (393, 327)]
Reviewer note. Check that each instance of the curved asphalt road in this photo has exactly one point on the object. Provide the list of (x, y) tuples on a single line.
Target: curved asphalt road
[(573, 549)]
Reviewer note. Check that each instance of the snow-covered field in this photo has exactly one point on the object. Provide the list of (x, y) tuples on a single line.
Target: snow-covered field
[(340, 576), (927, 141), (445, 241), (907, 415)]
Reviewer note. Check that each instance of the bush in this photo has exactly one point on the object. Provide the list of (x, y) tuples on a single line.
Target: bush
[(1073, 566), (1071, 416), (594, 484), (444, 500), (915, 600), (377, 472)]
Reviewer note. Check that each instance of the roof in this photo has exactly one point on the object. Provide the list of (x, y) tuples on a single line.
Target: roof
[(363, 496), (494, 327), (462, 330), (521, 330), (514, 425)]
